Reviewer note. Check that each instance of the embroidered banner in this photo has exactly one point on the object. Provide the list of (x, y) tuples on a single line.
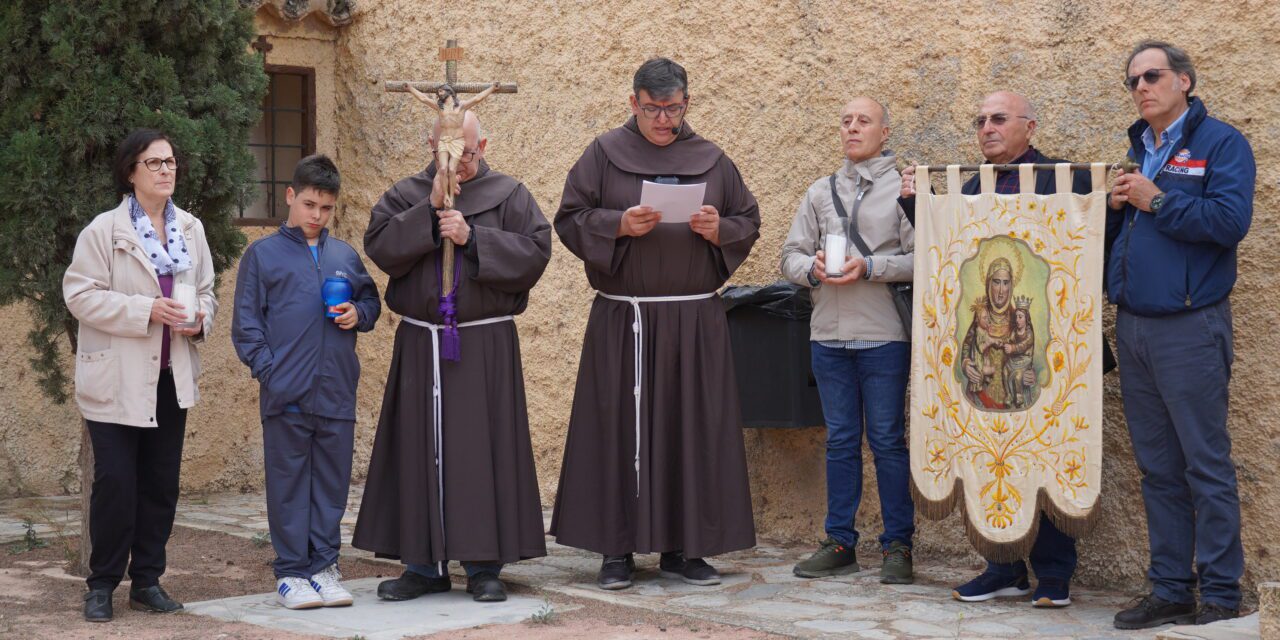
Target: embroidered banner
[(1006, 366)]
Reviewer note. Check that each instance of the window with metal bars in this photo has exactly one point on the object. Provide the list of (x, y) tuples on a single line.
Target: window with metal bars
[(285, 134)]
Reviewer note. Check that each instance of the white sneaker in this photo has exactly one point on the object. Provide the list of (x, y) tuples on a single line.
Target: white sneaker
[(297, 593), (331, 591)]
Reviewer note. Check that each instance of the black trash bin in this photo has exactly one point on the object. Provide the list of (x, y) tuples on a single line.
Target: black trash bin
[(769, 329)]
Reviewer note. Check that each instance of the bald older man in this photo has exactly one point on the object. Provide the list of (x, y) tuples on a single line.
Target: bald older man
[(860, 345), (1005, 123), (455, 480)]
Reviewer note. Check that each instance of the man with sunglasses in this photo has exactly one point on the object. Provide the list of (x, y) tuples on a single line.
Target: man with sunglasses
[(1172, 268), (654, 460), (1004, 125)]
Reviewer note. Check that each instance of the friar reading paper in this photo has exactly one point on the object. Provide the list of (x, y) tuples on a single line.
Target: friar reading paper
[(654, 460), (464, 422)]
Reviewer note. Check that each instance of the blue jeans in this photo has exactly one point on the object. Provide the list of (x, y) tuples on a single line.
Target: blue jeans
[(845, 378), (472, 568), (1174, 373), (1052, 556)]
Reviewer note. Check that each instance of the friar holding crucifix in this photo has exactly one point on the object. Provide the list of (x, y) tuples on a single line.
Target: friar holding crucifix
[(448, 136), (452, 474)]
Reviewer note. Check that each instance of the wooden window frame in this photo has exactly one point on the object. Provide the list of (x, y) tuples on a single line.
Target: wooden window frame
[(308, 135)]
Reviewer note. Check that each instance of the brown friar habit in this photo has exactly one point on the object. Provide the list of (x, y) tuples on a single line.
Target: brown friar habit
[(693, 493), (491, 504)]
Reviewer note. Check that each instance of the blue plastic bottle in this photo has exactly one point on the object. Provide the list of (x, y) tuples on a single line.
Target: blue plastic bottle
[(335, 291)]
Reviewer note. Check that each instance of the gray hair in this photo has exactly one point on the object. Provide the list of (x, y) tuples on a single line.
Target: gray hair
[(661, 78), (1026, 103), (884, 111), (1031, 109), (1179, 61)]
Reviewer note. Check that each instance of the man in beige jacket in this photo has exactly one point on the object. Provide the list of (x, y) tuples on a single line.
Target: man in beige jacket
[(860, 346)]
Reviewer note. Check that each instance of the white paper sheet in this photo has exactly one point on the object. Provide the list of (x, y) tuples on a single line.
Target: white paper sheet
[(677, 202)]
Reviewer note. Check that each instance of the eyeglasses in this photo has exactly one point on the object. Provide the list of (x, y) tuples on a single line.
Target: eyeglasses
[(998, 119), (1152, 76), (467, 154), (153, 164), (673, 111)]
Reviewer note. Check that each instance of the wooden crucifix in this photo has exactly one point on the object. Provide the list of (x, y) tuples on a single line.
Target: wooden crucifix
[(451, 113)]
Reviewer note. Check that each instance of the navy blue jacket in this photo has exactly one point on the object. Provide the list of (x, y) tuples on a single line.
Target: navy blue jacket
[(279, 328), (1184, 257)]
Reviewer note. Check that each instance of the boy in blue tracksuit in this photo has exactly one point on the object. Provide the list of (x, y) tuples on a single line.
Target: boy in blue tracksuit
[(1176, 225), (307, 367)]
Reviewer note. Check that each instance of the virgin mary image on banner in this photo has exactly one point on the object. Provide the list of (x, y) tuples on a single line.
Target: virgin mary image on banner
[(1006, 366), (1002, 364)]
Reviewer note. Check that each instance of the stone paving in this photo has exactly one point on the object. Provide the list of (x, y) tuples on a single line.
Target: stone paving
[(371, 618), (758, 591)]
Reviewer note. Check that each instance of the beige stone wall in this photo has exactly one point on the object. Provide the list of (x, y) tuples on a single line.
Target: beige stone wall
[(768, 80), (308, 43)]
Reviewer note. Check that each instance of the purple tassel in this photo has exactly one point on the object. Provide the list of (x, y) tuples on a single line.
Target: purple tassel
[(450, 342)]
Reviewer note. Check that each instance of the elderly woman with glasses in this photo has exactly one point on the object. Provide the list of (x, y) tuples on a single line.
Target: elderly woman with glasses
[(136, 366)]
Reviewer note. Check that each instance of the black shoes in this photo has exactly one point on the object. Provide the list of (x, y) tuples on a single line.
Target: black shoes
[(486, 587), (615, 572), (97, 605), (1153, 611), (695, 571), (152, 599), (1210, 612), (483, 587), (670, 564), (410, 585)]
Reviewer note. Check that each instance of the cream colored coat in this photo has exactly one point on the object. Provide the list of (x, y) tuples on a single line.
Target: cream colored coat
[(863, 309), (110, 287)]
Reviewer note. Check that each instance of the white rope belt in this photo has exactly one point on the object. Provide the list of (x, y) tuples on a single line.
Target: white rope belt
[(437, 406), (637, 342)]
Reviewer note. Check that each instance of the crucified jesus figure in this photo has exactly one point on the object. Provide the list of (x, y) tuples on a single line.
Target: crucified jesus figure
[(450, 144)]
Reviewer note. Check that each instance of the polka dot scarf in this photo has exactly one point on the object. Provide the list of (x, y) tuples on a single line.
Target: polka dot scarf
[(168, 259)]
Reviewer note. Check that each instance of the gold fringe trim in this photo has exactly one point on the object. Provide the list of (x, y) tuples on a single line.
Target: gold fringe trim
[(936, 509), (1074, 526)]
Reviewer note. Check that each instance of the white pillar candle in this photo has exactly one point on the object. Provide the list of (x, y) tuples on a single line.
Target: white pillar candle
[(835, 247), (185, 295)]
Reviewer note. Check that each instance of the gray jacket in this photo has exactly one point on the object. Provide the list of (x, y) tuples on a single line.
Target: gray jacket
[(861, 310)]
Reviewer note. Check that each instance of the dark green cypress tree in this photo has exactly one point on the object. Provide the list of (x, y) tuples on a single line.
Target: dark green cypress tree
[(75, 78)]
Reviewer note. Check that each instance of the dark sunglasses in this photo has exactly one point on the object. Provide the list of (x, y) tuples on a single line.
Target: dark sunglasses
[(998, 119), (1152, 76)]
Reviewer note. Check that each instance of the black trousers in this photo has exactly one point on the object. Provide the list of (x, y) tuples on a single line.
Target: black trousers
[(135, 493)]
